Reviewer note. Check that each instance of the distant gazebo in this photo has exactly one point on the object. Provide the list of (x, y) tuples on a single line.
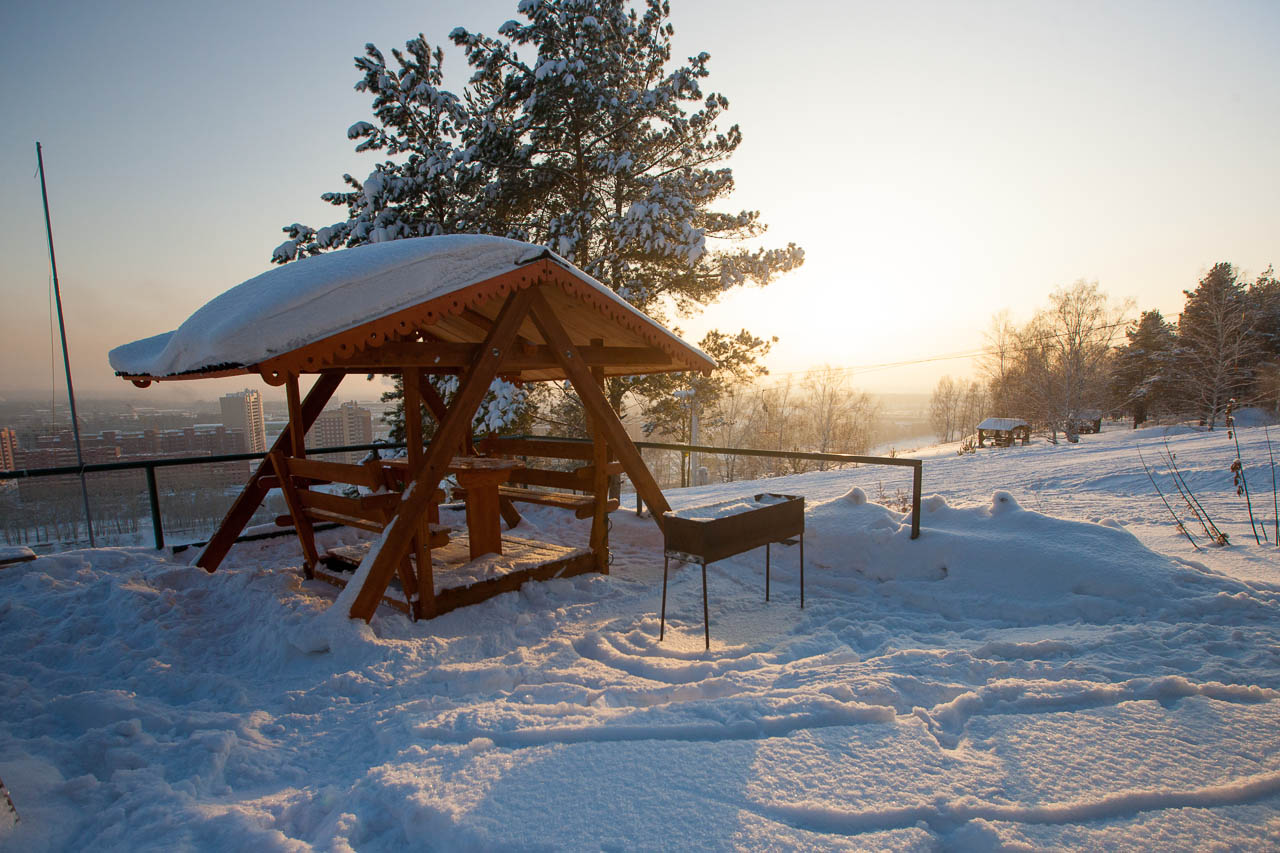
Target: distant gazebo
[(1087, 421), (1003, 432), (465, 306)]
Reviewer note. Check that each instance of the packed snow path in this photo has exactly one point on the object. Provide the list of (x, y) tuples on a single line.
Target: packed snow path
[(1011, 678)]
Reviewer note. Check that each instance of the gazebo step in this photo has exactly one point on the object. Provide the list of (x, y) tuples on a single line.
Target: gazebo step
[(455, 576)]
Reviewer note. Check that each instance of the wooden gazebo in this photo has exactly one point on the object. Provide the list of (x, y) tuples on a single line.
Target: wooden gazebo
[(468, 306), (1003, 432)]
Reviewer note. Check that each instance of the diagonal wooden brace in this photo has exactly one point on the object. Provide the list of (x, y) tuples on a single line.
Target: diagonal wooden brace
[(593, 399), (254, 491), (306, 535)]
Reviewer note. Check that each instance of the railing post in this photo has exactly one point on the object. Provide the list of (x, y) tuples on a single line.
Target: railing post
[(157, 525), (917, 475)]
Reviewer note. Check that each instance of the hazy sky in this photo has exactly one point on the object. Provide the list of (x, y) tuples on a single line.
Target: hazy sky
[(937, 161)]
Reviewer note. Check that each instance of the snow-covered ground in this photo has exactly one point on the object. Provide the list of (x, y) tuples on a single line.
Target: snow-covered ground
[(1051, 665)]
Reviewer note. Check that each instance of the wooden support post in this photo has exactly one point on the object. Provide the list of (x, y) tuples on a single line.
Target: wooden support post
[(153, 497), (917, 474), (298, 436), (398, 535), (254, 491), (598, 407), (484, 530), (413, 416), (306, 535), (599, 539), (412, 382), (409, 582)]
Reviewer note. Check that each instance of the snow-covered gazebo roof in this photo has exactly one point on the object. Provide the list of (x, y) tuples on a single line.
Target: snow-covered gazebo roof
[(336, 309), (1003, 424)]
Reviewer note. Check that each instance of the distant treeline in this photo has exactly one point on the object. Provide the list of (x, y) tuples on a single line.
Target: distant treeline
[(1069, 362)]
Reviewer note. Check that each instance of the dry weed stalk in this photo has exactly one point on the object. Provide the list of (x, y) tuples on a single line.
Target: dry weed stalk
[(1237, 469), (1211, 530), (1177, 521)]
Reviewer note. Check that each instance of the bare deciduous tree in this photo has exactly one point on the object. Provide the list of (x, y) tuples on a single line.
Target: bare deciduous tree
[(837, 418), (944, 409), (1054, 367)]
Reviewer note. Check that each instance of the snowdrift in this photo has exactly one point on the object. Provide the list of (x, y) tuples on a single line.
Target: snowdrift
[(1009, 565), (1010, 680)]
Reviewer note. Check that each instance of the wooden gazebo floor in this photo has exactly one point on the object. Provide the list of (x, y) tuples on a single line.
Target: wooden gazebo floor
[(462, 581)]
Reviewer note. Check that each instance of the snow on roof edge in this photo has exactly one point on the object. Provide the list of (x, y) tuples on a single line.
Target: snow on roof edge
[(1003, 423), (312, 298)]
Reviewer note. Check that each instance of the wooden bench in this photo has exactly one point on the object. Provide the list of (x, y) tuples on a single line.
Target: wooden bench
[(294, 476), (364, 512), (569, 490), (9, 555), (582, 505)]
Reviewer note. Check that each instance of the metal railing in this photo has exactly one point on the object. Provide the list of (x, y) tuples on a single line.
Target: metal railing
[(916, 465), (149, 466)]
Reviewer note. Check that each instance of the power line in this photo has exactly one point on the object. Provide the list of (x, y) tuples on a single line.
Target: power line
[(867, 368)]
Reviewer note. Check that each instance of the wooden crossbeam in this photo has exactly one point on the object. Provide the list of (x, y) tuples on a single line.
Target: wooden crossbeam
[(598, 407), (336, 472), (398, 536), (254, 490), (484, 324), (442, 356)]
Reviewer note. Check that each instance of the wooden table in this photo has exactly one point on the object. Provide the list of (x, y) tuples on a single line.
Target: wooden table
[(481, 476)]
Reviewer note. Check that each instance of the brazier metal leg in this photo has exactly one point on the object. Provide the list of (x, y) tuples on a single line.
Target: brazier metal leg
[(766, 571), (802, 571), (706, 622), (662, 630)]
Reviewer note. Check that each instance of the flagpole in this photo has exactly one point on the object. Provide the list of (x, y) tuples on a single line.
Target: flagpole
[(66, 359)]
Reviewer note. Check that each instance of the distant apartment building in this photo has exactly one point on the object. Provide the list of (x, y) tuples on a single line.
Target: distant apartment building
[(8, 449), (350, 423), (242, 411), (59, 451), (54, 451)]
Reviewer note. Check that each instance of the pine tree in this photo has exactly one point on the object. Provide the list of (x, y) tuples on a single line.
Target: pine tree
[(611, 157), (576, 131), (1140, 379), (432, 190), (1264, 302), (1217, 349), (1264, 307)]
